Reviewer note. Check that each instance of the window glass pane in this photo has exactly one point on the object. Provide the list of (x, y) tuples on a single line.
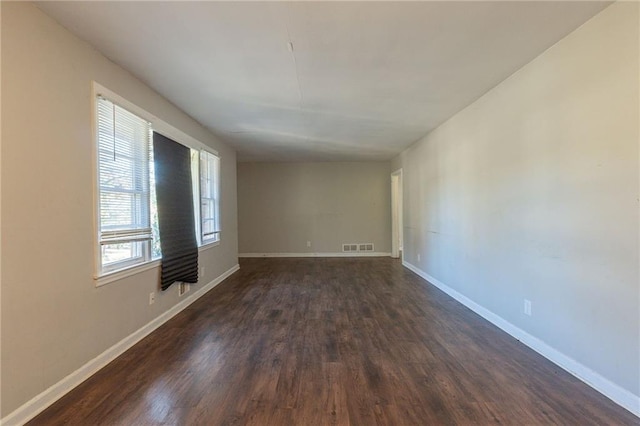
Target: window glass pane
[(209, 202), (118, 253), (156, 250), (121, 210)]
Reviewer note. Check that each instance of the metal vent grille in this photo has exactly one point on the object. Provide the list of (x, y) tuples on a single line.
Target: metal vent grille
[(360, 247)]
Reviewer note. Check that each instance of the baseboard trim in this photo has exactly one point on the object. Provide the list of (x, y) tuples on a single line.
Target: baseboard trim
[(40, 402), (615, 393), (336, 254)]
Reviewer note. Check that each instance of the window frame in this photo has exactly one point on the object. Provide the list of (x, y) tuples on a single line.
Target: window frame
[(216, 200), (102, 277), (142, 247)]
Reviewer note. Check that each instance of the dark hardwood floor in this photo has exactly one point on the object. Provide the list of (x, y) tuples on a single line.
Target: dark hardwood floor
[(354, 341)]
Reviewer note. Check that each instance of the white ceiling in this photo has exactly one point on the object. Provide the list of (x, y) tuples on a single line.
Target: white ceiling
[(364, 80)]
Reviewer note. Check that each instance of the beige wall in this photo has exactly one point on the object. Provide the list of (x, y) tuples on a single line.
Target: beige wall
[(281, 206), (532, 192), (54, 319)]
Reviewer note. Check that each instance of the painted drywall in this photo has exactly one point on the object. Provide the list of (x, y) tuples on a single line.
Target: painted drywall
[(54, 319), (531, 192), (281, 206)]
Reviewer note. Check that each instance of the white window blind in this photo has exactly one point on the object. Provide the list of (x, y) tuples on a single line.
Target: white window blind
[(124, 161), (209, 197)]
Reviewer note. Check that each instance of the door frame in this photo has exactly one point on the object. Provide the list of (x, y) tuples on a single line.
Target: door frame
[(397, 227)]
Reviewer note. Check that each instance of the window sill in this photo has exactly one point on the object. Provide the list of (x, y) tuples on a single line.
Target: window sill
[(207, 246), (119, 274)]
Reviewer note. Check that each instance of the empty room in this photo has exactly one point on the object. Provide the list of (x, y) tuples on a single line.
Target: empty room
[(319, 213)]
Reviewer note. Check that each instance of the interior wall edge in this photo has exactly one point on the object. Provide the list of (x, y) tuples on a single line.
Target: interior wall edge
[(337, 254)]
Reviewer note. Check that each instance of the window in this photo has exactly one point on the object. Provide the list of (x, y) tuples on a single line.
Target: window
[(209, 197), (124, 184), (127, 218)]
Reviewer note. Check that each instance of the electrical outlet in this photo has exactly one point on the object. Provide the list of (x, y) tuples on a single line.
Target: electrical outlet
[(152, 298), (201, 272), (418, 257), (527, 307), (308, 243), (183, 288)]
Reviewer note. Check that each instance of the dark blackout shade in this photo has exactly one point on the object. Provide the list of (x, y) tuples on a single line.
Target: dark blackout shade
[(174, 195)]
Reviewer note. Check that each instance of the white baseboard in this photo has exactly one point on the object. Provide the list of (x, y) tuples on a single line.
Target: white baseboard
[(617, 394), (40, 402), (336, 254)]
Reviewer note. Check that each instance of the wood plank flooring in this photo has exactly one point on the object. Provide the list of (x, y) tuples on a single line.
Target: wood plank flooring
[(350, 341)]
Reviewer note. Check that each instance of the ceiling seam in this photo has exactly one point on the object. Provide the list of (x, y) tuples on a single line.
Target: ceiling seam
[(295, 65)]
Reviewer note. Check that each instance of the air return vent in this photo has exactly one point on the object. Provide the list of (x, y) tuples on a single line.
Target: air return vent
[(355, 248), (365, 247)]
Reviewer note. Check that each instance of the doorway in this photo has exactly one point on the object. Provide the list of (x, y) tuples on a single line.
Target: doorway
[(396, 214)]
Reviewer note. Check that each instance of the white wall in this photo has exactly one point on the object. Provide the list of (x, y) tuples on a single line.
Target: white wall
[(532, 192), (281, 206), (54, 319)]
